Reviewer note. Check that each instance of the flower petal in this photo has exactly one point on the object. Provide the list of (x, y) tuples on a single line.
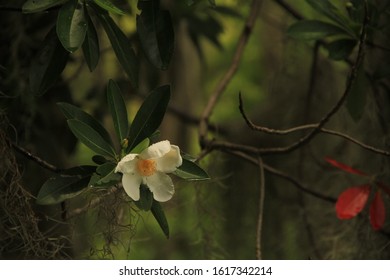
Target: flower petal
[(131, 183), (161, 185), (352, 201), (170, 161), (156, 150), (345, 167), (127, 164), (377, 212)]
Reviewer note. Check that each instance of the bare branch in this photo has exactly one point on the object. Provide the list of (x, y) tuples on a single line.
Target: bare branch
[(36, 159), (300, 128), (283, 175), (261, 210), (316, 127), (91, 204), (242, 42), (289, 9)]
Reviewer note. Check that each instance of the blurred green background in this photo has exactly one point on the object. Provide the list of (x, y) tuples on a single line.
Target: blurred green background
[(215, 219)]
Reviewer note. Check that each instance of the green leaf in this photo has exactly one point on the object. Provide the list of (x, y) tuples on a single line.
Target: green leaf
[(59, 188), (191, 171), (80, 170), (341, 49), (146, 199), (326, 8), (48, 64), (71, 25), (106, 175), (313, 30), (156, 34), (121, 46), (110, 7), (91, 49), (149, 116), (159, 215), (34, 6), (99, 159), (91, 138), (206, 26), (72, 112), (141, 146), (117, 107), (356, 100)]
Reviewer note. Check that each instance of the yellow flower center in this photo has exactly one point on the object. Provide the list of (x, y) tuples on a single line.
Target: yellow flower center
[(146, 167)]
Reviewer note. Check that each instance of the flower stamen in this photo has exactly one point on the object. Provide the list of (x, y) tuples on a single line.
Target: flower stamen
[(146, 167)]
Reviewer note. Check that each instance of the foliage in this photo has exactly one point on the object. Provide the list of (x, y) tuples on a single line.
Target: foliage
[(170, 54)]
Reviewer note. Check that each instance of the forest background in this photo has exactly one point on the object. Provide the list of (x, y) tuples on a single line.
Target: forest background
[(276, 100)]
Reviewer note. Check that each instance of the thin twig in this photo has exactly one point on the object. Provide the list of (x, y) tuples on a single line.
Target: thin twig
[(283, 175), (325, 119), (36, 159), (289, 9), (242, 42), (351, 79), (312, 81), (261, 209), (305, 127), (93, 203)]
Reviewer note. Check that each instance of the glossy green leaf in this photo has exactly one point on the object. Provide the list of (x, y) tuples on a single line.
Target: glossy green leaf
[(91, 49), (156, 34), (121, 46), (71, 25), (73, 112), (99, 159), (80, 170), (34, 6), (356, 100), (59, 188), (48, 64), (109, 6), (326, 8), (341, 49), (313, 30), (105, 175), (191, 171), (149, 116), (146, 199), (118, 110), (141, 146), (91, 138), (159, 215)]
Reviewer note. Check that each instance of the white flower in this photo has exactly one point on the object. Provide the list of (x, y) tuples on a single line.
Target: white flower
[(149, 168)]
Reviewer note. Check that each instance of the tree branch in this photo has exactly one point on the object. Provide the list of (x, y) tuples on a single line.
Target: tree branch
[(93, 203), (318, 126), (242, 42), (36, 159), (305, 127), (289, 9), (261, 209), (283, 175)]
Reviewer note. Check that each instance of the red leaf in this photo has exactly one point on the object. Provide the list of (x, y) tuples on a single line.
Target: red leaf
[(352, 201), (377, 212), (344, 167)]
